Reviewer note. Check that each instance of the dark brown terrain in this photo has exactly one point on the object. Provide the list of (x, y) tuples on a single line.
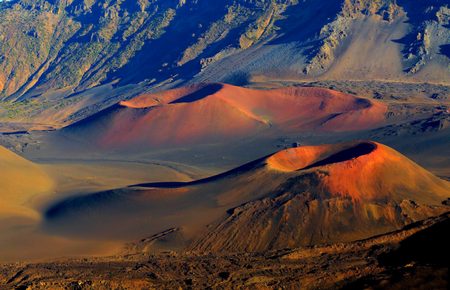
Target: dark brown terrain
[(415, 257)]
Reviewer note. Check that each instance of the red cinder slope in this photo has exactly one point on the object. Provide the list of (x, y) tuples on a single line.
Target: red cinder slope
[(214, 112), (300, 196)]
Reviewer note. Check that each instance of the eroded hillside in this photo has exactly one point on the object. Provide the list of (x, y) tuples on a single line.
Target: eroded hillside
[(68, 47)]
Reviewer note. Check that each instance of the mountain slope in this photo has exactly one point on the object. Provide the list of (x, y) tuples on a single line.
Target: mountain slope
[(292, 198), (338, 195), (56, 49), (79, 44)]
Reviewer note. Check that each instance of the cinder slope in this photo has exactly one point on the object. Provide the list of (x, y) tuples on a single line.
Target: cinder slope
[(216, 112), (20, 181), (300, 196), (363, 171), (333, 194)]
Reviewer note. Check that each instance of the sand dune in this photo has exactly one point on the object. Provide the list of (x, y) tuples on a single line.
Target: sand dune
[(298, 196), (20, 182), (23, 192), (207, 113)]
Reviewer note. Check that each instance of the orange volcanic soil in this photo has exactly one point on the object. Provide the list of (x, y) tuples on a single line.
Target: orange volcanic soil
[(363, 171), (330, 193), (214, 112)]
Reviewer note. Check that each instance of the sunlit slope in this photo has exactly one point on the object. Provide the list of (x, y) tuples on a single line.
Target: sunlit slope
[(20, 182), (208, 113)]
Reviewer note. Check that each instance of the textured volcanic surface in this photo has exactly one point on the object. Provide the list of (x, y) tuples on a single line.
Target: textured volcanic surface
[(209, 113), (20, 181), (300, 196), (335, 193), (371, 263), (366, 170)]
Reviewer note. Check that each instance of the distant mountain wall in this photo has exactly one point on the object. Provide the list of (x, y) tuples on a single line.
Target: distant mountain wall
[(54, 45)]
